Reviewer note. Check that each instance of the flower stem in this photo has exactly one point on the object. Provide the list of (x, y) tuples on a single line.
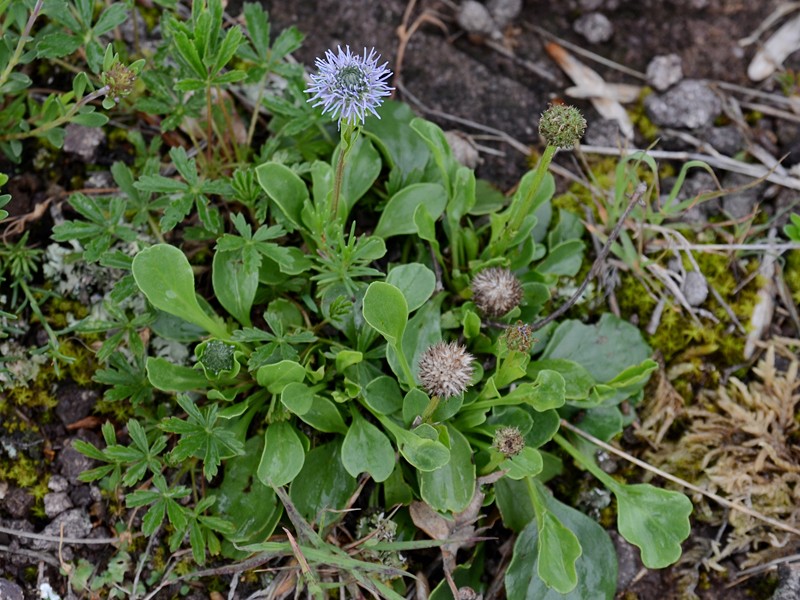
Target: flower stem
[(430, 409), (522, 208), (60, 120), (348, 140), (23, 39)]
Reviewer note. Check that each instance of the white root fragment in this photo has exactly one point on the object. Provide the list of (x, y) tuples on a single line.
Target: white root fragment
[(775, 50), (600, 93)]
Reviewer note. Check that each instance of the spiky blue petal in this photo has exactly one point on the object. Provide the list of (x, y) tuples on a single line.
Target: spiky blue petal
[(349, 86)]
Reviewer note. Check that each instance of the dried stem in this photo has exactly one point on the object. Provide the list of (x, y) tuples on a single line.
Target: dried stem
[(598, 262)]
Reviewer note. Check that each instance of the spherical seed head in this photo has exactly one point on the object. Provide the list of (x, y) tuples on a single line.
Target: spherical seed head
[(445, 369), (508, 441), (349, 86), (496, 291), (562, 126)]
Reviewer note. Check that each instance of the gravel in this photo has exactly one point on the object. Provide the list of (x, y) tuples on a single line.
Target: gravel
[(664, 71), (689, 105), (595, 27)]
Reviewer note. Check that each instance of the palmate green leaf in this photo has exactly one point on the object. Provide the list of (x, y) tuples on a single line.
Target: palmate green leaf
[(655, 520), (113, 15), (126, 380), (201, 436)]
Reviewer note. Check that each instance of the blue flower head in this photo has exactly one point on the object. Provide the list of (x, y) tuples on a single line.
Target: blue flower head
[(348, 85)]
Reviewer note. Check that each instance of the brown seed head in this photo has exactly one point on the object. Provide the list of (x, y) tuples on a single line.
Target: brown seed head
[(496, 291), (445, 369)]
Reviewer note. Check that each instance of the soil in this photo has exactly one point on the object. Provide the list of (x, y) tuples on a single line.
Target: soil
[(458, 75)]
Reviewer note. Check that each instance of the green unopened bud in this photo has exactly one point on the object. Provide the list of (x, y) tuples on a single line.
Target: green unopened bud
[(218, 356), (562, 126)]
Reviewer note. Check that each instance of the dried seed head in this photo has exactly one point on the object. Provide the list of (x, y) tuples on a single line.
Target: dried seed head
[(445, 369), (508, 441), (562, 126), (496, 291)]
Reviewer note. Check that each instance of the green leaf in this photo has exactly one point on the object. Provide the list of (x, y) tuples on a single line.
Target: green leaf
[(324, 416), (655, 520), (283, 455), (595, 569), (323, 485), (234, 284), (285, 189), (367, 449), (90, 119), (386, 310), (167, 377), (578, 381), (246, 502), (604, 350), (382, 395), (398, 215), (565, 259), (407, 152), (114, 15), (527, 463), (361, 169), (56, 45), (415, 280), (450, 487), (165, 276), (275, 377), (297, 397)]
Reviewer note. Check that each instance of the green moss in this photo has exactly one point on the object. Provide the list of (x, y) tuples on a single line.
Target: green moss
[(641, 121), (709, 347), (791, 274)]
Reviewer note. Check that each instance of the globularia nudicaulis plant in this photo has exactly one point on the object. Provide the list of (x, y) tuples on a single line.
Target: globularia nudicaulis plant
[(360, 314)]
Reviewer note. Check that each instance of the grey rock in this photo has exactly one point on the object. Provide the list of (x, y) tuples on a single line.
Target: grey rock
[(72, 463), (100, 179), (603, 132), (504, 11), (695, 288), (689, 105), (75, 522), (727, 140), (463, 148), (10, 590), (474, 17), (18, 503), (57, 484), (83, 141), (75, 403), (788, 583), (664, 71), (629, 563), (56, 503), (81, 496), (740, 202), (595, 27)]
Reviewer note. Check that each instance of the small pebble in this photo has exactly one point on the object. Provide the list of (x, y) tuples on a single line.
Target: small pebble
[(504, 11), (473, 17), (18, 503), (595, 27), (57, 483), (83, 141), (56, 503), (689, 105), (739, 203), (10, 590), (75, 522), (664, 71), (695, 288), (464, 150)]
